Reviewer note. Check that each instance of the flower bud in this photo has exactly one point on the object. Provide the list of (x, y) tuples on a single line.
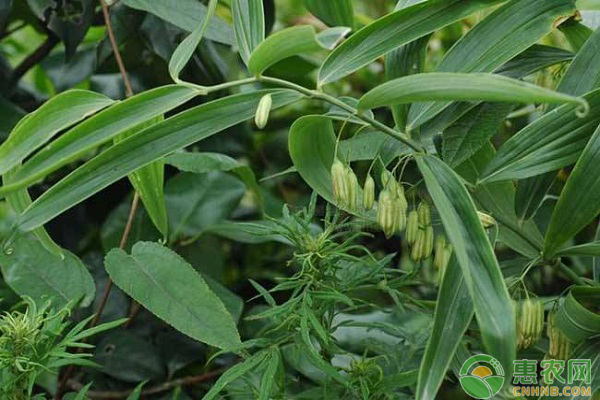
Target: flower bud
[(417, 248), (424, 214), (262, 111), (440, 244), (352, 184), (559, 347), (412, 226), (388, 181), (386, 213), (402, 202), (427, 242), (340, 184), (486, 220), (400, 217), (369, 193)]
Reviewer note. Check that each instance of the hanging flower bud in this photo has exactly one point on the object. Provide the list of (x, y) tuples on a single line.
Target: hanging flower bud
[(401, 217), (439, 250), (262, 111), (386, 213), (352, 184), (412, 226), (402, 202), (417, 248), (340, 185), (369, 193), (486, 220), (559, 347), (427, 242), (530, 322), (388, 181), (424, 214)]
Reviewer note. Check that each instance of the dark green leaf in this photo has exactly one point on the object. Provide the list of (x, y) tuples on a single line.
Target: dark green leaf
[(170, 288), (332, 12), (248, 25), (574, 319), (530, 194)]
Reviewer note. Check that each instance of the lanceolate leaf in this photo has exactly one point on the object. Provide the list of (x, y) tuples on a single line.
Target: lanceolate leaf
[(574, 319), (453, 313), (149, 182), (98, 130), (248, 25), (35, 129), (583, 74), (531, 193), (480, 269), (147, 146), (169, 287), (394, 30), (551, 142), (575, 32), (289, 42), (187, 15), (498, 38), (186, 49), (579, 202), (459, 86), (332, 12)]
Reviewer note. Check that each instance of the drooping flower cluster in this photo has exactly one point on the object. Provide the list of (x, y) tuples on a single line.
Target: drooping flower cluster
[(530, 322)]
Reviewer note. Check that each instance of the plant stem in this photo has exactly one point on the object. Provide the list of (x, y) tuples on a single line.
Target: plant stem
[(115, 48), (569, 273), (332, 100)]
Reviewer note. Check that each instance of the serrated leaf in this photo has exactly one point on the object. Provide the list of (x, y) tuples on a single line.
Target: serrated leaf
[(499, 37), (170, 288), (248, 25), (392, 31), (453, 313), (145, 147), (471, 246), (547, 144), (579, 201), (462, 87)]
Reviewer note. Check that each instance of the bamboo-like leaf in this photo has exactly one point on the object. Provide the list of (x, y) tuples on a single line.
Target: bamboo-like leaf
[(574, 319), (145, 147), (453, 313), (332, 12), (187, 15), (502, 35), (549, 143), (591, 249), (480, 269), (579, 202), (531, 193), (234, 373), (166, 285), (186, 48), (148, 181), (583, 74), (394, 30), (575, 32), (35, 129), (267, 382), (98, 130), (248, 25), (289, 42), (465, 87)]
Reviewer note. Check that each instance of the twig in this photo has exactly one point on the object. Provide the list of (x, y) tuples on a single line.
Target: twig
[(39, 54), (115, 48), (163, 387)]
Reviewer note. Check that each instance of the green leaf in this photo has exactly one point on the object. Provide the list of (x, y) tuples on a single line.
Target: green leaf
[(187, 47), (267, 381), (31, 270), (248, 25), (472, 131), (148, 181), (332, 12), (480, 269), (530, 194), (591, 249), (145, 147), (200, 163), (453, 313), (392, 31), (533, 59), (502, 35), (170, 288), (575, 32), (97, 130), (196, 201), (574, 319), (58, 113), (583, 74), (290, 42), (549, 143), (459, 86), (579, 201), (234, 373), (137, 392), (187, 15)]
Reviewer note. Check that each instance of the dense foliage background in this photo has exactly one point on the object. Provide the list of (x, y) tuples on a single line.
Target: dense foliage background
[(238, 237)]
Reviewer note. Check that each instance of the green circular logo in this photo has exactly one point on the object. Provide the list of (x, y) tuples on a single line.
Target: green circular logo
[(482, 376)]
